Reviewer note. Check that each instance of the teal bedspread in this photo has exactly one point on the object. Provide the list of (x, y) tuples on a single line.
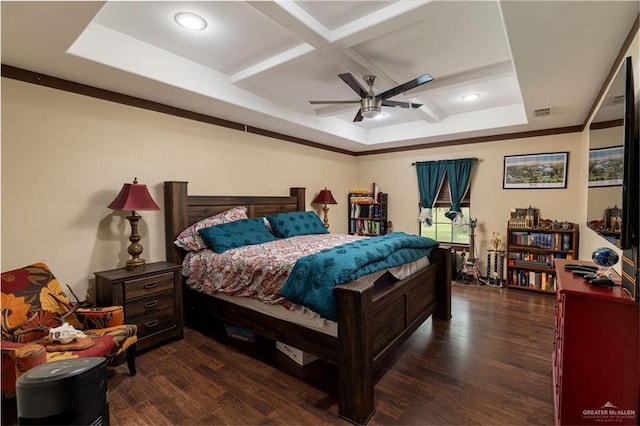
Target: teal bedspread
[(314, 277)]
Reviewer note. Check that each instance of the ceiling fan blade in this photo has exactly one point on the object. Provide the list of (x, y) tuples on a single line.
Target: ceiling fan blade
[(358, 116), (354, 84), (398, 104), (333, 102), (406, 86)]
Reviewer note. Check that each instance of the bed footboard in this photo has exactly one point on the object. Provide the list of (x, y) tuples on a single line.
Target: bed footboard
[(355, 356), (371, 326), (442, 257)]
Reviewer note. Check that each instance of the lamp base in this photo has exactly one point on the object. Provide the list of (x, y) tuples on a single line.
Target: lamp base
[(135, 248), (135, 264), (325, 220)]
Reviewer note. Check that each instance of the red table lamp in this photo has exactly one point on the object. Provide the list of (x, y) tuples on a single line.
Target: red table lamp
[(134, 196), (325, 197)]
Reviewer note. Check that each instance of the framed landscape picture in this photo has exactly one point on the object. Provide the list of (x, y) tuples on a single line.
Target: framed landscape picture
[(535, 171), (606, 166)]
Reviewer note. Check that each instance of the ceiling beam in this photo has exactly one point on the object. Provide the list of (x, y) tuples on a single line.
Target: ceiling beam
[(334, 45), (480, 74)]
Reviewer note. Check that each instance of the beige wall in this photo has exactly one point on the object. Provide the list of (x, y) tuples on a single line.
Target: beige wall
[(66, 156), (490, 204)]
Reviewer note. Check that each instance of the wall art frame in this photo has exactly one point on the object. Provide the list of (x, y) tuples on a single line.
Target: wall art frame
[(606, 166), (536, 171)]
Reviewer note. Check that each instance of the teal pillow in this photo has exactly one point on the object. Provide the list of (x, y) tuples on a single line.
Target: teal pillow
[(290, 224), (239, 233)]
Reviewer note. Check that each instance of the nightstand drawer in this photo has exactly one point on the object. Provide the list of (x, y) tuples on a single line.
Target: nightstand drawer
[(148, 285), (148, 305), (155, 323)]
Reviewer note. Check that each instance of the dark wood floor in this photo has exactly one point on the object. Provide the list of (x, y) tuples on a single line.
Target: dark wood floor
[(490, 365)]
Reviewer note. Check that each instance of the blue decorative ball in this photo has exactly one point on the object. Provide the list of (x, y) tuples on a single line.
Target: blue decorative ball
[(604, 256)]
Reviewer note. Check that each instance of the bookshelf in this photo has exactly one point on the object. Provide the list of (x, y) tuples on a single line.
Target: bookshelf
[(368, 213), (531, 254)]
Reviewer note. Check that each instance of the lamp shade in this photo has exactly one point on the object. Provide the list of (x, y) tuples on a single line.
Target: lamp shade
[(133, 196), (324, 197)]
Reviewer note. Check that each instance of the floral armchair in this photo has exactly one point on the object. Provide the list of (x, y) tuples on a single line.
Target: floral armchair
[(33, 302)]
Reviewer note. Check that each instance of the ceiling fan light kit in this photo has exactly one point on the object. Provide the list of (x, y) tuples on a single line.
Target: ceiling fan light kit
[(371, 104), (371, 107)]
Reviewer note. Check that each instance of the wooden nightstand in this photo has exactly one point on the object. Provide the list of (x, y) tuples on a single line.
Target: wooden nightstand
[(151, 297)]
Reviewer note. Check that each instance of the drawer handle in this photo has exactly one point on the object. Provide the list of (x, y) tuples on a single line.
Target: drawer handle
[(151, 285), (151, 324), (151, 304)]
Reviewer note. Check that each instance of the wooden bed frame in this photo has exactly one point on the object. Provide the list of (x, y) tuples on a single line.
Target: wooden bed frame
[(372, 323)]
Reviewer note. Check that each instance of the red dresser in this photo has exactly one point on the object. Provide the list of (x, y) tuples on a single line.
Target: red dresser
[(595, 359)]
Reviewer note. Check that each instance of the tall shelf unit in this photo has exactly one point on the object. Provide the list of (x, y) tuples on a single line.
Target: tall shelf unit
[(531, 253), (368, 213)]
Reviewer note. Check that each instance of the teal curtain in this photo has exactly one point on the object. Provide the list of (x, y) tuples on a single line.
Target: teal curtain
[(430, 176), (458, 172)]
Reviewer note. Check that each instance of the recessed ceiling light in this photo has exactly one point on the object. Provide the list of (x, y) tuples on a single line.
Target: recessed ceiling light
[(470, 97), (191, 21)]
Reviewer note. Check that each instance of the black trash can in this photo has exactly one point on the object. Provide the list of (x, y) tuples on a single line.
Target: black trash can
[(68, 392)]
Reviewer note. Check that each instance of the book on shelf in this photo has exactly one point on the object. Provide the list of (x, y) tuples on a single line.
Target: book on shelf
[(365, 227), (551, 241), (536, 260), (532, 263), (365, 211), (523, 258), (362, 199), (533, 279)]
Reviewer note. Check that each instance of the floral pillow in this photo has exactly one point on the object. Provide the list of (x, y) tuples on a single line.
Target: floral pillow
[(190, 240)]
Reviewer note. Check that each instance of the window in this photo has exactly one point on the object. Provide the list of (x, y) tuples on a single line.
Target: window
[(442, 229)]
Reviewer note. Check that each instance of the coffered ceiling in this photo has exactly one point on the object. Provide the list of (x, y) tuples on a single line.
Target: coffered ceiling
[(535, 64)]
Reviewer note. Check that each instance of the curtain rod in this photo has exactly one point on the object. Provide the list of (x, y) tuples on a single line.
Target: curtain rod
[(471, 158)]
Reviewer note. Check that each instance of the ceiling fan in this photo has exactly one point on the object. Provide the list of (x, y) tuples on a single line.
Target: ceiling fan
[(371, 104)]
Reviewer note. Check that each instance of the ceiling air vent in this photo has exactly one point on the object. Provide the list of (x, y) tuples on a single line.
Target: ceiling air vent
[(541, 112), (617, 100)]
